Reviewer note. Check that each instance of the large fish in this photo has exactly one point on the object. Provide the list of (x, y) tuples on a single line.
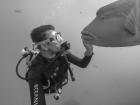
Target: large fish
[(115, 25)]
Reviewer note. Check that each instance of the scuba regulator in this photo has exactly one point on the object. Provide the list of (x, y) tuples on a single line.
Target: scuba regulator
[(26, 53)]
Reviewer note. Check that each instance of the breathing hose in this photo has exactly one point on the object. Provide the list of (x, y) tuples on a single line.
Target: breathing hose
[(17, 68)]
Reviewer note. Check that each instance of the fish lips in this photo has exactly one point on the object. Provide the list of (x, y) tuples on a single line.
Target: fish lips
[(88, 37)]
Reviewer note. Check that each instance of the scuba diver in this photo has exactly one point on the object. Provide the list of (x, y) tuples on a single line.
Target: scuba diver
[(48, 69)]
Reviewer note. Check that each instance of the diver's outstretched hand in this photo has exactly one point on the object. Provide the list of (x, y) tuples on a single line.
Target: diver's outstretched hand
[(89, 48)]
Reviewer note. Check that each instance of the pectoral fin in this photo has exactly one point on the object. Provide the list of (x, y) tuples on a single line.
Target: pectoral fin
[(130, 23)]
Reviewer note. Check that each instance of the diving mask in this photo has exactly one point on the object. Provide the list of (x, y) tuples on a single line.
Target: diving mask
[(52, 37)]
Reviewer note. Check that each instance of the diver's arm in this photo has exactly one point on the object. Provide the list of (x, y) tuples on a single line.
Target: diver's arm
[(81, 62)]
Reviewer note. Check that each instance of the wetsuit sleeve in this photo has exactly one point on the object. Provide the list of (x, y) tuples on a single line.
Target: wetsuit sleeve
[(81, 62)]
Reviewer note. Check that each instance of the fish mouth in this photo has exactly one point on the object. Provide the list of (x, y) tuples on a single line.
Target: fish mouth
[(88, 37)]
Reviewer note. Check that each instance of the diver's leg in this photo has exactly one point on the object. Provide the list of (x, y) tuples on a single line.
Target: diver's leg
[(36, 93)]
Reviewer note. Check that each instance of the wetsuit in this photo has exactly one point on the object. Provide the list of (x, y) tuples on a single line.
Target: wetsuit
[(43, 69)]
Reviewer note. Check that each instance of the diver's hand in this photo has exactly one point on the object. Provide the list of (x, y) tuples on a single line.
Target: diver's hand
[(89, 49)]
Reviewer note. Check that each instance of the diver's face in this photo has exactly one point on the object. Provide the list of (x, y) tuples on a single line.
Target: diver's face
[(53, 41)]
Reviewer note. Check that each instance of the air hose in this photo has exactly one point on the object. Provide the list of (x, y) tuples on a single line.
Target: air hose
[(17, 68)]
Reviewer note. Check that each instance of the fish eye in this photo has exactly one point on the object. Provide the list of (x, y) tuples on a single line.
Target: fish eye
[(102, 17)]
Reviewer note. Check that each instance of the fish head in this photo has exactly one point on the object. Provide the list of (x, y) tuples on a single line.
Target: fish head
[(115, 25)]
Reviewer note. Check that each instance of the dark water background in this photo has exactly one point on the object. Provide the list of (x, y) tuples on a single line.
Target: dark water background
[(112, 77)]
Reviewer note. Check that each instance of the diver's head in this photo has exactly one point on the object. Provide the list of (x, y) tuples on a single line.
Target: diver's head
[(46, 38)]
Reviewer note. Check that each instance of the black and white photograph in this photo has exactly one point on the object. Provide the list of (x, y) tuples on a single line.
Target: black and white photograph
[(70, 52)]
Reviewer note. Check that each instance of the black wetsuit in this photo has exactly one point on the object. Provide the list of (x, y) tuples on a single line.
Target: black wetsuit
[(42, 69)]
